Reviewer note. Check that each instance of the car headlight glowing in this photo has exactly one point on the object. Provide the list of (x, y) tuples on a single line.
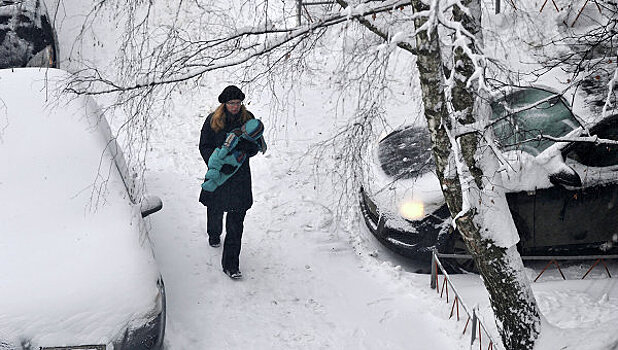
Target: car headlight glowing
[(412, 210)]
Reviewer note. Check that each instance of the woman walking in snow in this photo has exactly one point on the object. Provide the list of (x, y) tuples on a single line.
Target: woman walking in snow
[(234, 195)]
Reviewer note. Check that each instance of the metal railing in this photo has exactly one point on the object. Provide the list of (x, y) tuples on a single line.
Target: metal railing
[(578, 13), (437, 267), (598, 259), (553, 260), (477, 327)]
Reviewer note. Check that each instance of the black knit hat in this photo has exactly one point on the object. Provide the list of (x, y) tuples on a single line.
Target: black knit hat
[(231, 92)]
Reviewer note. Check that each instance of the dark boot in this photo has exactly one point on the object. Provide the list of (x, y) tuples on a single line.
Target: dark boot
[(233, 275), (231, 247), (214, 241), (214, 226)]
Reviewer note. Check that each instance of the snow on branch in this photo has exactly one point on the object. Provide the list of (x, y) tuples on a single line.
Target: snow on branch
[(610, 89), (177, 59), (588, 139)]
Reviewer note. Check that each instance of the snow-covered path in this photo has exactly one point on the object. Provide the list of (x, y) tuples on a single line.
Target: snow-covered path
[(305, 286)]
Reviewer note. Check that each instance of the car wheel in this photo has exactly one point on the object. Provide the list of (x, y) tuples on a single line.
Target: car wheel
[(453, 244), (464, 264)]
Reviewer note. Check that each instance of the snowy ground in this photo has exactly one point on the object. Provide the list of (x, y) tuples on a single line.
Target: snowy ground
[(305, 286), (310, 282)]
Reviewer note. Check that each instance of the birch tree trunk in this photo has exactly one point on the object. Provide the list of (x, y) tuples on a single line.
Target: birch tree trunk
[(431, 75), (457, 113)]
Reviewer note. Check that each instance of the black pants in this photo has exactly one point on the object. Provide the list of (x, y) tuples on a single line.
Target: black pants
[(233, 227)]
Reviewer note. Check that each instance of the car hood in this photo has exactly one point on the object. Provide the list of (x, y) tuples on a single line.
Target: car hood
[(76, 265), (390, 194)]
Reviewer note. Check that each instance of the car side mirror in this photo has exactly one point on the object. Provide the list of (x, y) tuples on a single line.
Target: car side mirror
[(149, 205), (565, 177)]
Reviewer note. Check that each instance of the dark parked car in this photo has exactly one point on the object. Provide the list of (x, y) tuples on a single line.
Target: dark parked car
[(563, 196), (27, 38)]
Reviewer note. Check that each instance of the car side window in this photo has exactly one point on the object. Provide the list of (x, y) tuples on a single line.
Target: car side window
[(598, 155)]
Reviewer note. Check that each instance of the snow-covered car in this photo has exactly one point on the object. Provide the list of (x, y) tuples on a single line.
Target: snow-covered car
[(77, 270), (563, 196), (27, 38)]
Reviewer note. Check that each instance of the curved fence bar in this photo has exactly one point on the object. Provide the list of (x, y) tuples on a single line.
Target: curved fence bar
[(477, 326)]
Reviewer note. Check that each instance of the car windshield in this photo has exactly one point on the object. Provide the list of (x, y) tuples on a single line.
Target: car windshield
[(519, 130), (406, 153)]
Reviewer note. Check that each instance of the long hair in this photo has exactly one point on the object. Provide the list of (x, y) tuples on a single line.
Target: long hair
[(217, 123)]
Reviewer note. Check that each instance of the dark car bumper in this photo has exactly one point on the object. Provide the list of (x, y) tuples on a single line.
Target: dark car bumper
[(433, 232), (417, 242), (150, 335)]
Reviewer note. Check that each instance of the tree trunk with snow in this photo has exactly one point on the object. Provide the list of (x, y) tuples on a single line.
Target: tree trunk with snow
[(468, 172), (431, 74)]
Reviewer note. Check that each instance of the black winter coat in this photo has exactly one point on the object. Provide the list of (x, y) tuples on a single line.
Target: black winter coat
[(235, 193)]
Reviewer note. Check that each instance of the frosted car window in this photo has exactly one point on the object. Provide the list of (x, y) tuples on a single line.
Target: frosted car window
[(406, 153), (552, 117), (601, 155)]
